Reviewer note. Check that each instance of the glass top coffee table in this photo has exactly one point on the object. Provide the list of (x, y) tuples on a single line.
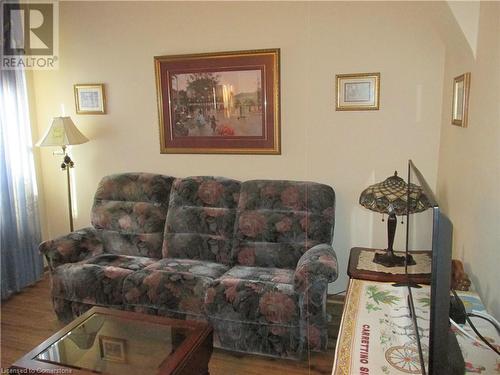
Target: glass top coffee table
[(123, 343)]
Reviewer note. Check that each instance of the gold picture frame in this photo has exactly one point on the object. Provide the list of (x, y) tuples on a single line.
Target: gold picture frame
[(90, 98), (357, 92), (113, 349), (460, 103), (219, 103)]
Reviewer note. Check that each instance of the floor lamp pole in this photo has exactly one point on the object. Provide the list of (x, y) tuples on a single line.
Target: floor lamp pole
[(66, 165)]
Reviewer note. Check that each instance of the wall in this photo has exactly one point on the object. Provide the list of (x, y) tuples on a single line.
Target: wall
[(114, 43), (468, 179), (466, 15)]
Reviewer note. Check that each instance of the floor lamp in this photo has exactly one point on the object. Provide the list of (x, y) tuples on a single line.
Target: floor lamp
[(63, 133)]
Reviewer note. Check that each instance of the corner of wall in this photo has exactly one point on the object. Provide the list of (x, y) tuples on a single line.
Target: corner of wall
[(466, 14), (469, 157)]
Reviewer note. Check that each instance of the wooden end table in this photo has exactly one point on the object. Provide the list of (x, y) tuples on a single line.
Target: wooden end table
[(123, 343), (419, 273)]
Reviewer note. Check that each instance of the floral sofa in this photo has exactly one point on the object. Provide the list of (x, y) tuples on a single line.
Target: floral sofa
[(253, 258)]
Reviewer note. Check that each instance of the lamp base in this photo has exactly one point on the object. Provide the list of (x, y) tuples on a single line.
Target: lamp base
[(389, 259)]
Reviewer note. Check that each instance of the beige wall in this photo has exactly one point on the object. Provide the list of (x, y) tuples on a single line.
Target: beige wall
[(469, 178), (114, 43)]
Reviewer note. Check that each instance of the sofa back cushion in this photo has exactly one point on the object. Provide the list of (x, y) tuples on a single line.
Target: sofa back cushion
[(277, 221), (129, 213), (200, 219)]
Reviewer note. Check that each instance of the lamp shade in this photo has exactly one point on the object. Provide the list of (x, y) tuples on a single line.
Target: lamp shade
[(392, 195), (62, 132)]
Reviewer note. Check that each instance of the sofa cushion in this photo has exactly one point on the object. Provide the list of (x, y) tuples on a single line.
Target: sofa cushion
[(175, 285), (254, 294), (97, 280), (200, 219), (129, 212), (277, 221)]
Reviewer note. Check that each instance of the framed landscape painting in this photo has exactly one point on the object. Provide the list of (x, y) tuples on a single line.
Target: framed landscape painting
[(224, 102)]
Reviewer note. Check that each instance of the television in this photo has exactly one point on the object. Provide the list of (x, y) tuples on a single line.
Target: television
[(438, 349)]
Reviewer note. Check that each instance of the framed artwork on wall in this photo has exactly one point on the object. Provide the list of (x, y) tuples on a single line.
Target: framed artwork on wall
[(112, 349), (219, 103), (90, 99), (357, 91), (460, 104)]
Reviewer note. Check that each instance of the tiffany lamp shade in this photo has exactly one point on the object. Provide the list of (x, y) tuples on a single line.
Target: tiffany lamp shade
[(393, 197)]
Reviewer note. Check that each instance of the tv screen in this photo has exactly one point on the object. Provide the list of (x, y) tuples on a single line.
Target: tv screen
[(431, 230)]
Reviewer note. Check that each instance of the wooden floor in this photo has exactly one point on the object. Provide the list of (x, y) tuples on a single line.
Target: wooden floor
[(27, 319)]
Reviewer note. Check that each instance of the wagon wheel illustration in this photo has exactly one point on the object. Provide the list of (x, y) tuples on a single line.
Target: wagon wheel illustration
[(404, 358)]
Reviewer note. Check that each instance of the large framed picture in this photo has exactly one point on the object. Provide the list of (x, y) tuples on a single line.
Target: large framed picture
[(460, 105), (90, 99), (213, 103), (112, 348), (357, 92)]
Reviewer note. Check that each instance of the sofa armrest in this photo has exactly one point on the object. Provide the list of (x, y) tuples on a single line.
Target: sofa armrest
[(317, 263), (72, 247)]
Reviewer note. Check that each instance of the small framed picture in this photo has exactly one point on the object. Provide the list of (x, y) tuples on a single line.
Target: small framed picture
[(460, 105), (357, 91), (90, 99), (112, 349)]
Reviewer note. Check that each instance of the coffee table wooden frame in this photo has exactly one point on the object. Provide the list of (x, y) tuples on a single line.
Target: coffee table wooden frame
[(191, 357)]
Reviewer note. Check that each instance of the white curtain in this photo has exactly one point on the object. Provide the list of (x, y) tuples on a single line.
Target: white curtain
[(21, 264)]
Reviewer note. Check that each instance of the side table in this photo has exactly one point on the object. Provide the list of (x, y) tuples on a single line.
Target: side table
[(362, 267)]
